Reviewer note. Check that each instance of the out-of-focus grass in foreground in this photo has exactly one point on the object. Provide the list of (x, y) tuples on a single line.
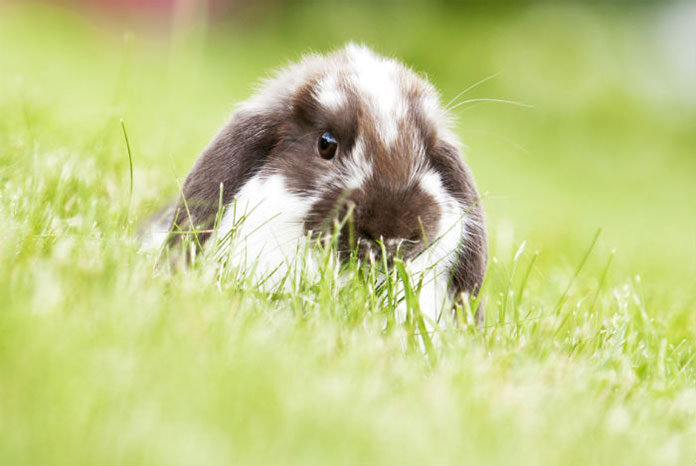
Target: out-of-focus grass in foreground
[(103, 360)]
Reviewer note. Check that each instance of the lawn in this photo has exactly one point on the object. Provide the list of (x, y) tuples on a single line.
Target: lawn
[(587, 353)]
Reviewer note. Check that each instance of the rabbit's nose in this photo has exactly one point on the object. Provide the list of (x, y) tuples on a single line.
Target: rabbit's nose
[(398, 221)]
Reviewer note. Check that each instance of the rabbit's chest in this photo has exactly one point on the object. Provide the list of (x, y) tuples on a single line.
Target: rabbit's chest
[(261, 232)]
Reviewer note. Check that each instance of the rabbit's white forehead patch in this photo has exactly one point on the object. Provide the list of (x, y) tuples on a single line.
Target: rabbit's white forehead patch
[(377, 82)]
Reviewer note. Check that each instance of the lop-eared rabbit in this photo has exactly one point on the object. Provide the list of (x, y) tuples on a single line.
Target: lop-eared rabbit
[(347, 134)]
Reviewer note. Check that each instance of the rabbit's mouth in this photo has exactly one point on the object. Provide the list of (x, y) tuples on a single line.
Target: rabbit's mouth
[(379, 251), (377, 223)]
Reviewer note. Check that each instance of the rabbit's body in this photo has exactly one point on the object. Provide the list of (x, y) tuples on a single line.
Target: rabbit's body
[(350, 135)]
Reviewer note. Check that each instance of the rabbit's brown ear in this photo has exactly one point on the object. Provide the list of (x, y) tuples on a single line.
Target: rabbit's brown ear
[(238, 151), (472, 257)]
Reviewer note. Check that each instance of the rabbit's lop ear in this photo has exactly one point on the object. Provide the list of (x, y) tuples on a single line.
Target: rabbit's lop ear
[(472, 257), (235, 155)]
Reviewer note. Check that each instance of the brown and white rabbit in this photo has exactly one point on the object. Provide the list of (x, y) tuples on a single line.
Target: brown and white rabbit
[(353, 133)]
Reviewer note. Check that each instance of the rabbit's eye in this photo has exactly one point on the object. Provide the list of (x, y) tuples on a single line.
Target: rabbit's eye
[(327, 145)]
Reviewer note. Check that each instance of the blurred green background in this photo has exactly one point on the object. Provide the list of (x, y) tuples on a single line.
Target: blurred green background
[(99, 361)]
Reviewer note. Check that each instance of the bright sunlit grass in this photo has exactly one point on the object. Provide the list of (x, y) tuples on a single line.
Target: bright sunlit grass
[(587, 352)]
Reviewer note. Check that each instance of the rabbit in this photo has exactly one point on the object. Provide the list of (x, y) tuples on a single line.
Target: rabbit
[(346, 134)]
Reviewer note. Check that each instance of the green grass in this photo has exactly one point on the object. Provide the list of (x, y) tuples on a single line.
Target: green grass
[(587, 354)]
